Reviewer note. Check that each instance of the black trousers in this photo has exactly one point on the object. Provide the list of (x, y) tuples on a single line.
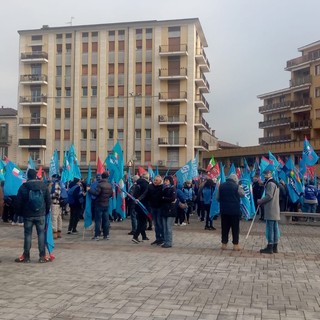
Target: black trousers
[(141, 225), (227, 222)]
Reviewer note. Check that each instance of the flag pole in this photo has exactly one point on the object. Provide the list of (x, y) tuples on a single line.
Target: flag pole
[(252, 222)]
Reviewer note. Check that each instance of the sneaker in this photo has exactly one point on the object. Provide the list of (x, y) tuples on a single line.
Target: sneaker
[(136, 241), (21, 224), (106, 238), (95, 238), (146, 238), (69, 232), (131, 233), (44, 259), (22, 259), (154, 242), (160, 243), (183, 224), (175, 224), (166, 246), (75, 232), (212, 228), (14, 223)]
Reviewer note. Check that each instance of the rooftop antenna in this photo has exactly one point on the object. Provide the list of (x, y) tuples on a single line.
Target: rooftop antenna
[(70, 22)]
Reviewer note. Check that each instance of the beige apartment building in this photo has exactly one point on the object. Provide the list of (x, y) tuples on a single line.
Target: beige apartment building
[(289, 114), (140, 83)]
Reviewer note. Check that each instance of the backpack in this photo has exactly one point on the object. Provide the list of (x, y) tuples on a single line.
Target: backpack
[(36, 200), (207, 195)]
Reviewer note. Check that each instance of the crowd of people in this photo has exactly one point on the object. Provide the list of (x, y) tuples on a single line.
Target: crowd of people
[(158, 203)]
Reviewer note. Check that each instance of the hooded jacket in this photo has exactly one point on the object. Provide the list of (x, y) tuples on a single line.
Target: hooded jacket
[(103, 192), (21, 205)]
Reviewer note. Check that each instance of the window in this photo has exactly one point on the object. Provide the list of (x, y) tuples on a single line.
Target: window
[(57, 135), (84, 113), (120, 91), (147, 111), (85, 34), (121, 45), (148, 67), (120, 112), (147, 156), (94, 46), (85, 47), (94, 34), (120, 134), (138, 112), (59, 48), (138, 155), (66, 134), (110, 134), (121, 32), (149, 44), (148, 89), (111, 33), (84, 91), (68, 47), (93, 113), (138, 44), (84, 134), (120, 67), (59, 71), (317, 92), (93, 155), (58, 92), (317, 113), (36, 38), (59, 36), (138, 67), (111, 46), (138, 134), (317, 69), (148, 30), (94, 91), (68, 35), (138, 89), (68, 70), (67, 113), (68, 92), (110, 112), (84, 69), (94, 69), (111, 68), (138, 31), (148, 133), (93, 134), (111, 91), (58, 113), (83, 156)]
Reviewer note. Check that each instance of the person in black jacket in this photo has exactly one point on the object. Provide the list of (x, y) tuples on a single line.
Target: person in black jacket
[(229, 194), (33, 203), (103, 192)]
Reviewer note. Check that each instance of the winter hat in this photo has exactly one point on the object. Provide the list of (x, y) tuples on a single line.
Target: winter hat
[(169, 178)]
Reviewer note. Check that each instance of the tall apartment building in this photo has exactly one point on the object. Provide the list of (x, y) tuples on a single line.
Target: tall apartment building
[(139, 83), (293, 113)]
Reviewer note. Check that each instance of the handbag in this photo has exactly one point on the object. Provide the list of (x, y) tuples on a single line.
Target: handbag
[(183, 205)]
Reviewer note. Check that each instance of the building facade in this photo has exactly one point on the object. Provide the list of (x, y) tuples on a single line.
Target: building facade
[(140, 83)]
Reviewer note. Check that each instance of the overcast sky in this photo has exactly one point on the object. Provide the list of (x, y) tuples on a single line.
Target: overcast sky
[(249, 42)]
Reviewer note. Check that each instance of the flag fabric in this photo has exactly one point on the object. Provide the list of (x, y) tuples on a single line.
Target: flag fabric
[(66, 175), (87, 216), (74, 163), (39, 173), (100, 167), (232, 170), (184, 173), (121, 202), (266, 164), (215, 205), (156, 171), (222, 174), (141, 170), (308, 155), (247, 203), (115, 162), (211, 164), (54, 164), (151, 172), (49, 236), (246, 173), (2, 167), (14, 177), (194, 172), (31, 164), (214, 173)]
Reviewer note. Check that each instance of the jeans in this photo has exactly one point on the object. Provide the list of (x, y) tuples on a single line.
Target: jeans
[(133, 217), (309, 207), (272, 231), (158, 224), (206, 208), (167, 230), (101, 215), (40, 223)]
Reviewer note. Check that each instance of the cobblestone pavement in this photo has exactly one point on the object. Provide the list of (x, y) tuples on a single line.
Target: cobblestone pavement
[(117, 279)]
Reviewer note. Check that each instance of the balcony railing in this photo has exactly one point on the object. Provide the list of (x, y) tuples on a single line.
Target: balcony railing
[(313, 55), (202, 82), (201, 102), (32, 142), (201, 143), (274, 123), (202, 58), (300, 81), (180, 95), (300, 104), (33, 78), (33, 99), (173, 141), (177, 48), (302, 124), (276, 139), (275, 106), (6, 140), (173, 119), (36, 55), (33, 121), (171, 73), (201, 121)]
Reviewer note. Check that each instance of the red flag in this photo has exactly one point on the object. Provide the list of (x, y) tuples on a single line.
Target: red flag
[(215, 171), (100, 167), (141, 170), (39, 173)]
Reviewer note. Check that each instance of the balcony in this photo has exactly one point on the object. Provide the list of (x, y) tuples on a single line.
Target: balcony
[(311, 56), (33, 100), (301, 81), (33, 122), (202, 83), (173, 74), (33, 79), (34, 57), (300, 125), (201, 144), (301, 105), (173, 50), (202, 60), (201, 103), (274, 123), (32, 143), (6, 141), (202, 124), (282, 106), (172, 142), (277, 139), (178, 119), (180, 96)]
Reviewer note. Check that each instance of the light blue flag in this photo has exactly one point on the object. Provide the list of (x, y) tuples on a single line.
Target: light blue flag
[(49, 234), (87, 216), (215, 205), (151, 172), (246, 173), (54, 164), (14, 177), (115, 162), (121, 202), (156, 171), (309, 156), (232, 170), (31, 164), (195, 172), (247, 203), (222, 174), (2, 168), (184, 173), (74, 163)]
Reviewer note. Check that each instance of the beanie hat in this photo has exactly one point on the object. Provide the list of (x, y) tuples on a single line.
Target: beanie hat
[(169, 178)]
